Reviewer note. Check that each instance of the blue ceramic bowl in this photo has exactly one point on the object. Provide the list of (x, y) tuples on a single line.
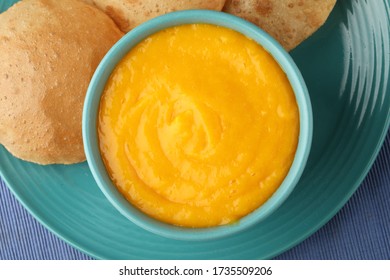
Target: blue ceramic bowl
[(91, 106)]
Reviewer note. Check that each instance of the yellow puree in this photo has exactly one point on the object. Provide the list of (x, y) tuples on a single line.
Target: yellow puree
[(198, 125)]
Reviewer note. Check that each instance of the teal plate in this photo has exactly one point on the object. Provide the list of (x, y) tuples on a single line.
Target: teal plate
[(346, 65)]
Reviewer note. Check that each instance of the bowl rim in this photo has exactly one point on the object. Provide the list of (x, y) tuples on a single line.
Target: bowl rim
[(97, 85)]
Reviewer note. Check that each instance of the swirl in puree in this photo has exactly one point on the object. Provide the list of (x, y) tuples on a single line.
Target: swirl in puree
[(198, 125)]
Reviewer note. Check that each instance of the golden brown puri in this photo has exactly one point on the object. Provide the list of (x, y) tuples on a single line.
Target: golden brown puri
[(127, 14), (288, 21), (49, 50)]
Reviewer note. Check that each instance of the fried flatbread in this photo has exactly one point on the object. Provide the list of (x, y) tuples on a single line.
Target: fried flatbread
[(288, 21), (127, 14), (49, 50)]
